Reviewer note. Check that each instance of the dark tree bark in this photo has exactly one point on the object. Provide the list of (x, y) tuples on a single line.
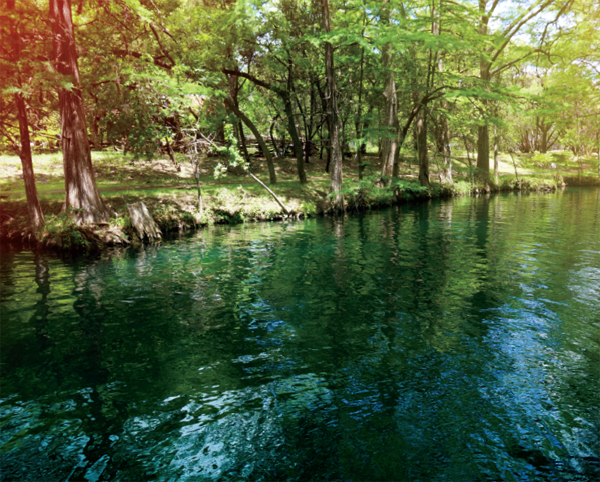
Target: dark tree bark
[(471, 174), (287, 103), (82, 194), (325, 142), (289, 112), (298, 151), (36, 217), (307, 126), (483, 153), (483, 133), (334, 134), (239, 129), (545, 134), (422, 148), (263, 146)]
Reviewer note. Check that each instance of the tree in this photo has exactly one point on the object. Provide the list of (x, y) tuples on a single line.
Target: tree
[(36, 217), (236, 41), (82, 195), (231, 102), (389, 147), (493, 63), (334, 134)]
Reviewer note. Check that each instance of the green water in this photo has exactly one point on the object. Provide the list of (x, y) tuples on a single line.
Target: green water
[(454, 340)]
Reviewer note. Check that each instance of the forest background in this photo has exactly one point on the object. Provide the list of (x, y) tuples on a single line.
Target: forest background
[(336, 105)]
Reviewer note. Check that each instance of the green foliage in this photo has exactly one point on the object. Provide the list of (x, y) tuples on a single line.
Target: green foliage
[(170, 217), (308, 209), (61, 231), (375, 191), (409, 189), (231, 157), (123, 223), (462, 188), (157, 80)]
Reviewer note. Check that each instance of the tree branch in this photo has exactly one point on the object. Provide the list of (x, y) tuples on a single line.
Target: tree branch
[(254, 80), (521, 20), (512, 62), (137, 55), (491, 10), (285, 210), (161, 45), (12, 141)]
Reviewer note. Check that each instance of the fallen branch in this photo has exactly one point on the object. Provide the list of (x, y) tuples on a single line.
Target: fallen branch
[(285, 210)]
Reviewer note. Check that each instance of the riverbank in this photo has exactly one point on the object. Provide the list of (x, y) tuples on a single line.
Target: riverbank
[(177, 210), (172, 198)]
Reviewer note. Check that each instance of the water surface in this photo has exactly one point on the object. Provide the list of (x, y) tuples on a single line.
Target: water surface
[(454, 340)]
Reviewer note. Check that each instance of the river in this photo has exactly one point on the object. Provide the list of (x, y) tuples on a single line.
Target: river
[(453, 340)]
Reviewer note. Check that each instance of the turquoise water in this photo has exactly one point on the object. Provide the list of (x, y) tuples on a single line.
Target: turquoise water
[(455, 340)]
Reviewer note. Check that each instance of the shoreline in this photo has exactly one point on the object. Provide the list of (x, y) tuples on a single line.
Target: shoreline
[(63, 236)]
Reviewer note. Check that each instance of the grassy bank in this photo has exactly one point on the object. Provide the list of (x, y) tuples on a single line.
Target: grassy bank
[(170, 193)]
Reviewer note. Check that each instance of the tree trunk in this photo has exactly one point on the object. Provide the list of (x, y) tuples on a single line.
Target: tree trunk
[(289, 112), (36, 217), (422, 148), (82, 195), (496, 161), (359, 126), (143, 222), (196, 164), (171, 154), (334, 134), (446, 150), (325, 143), (242, 137), (483, 153), (544, 147), (285, 96), (275, 148), (305, 123), (295, 139), (328, 162), (263, 146), (469, 161), (483, 137), (389, 147), (444, 128), (515, 166)]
